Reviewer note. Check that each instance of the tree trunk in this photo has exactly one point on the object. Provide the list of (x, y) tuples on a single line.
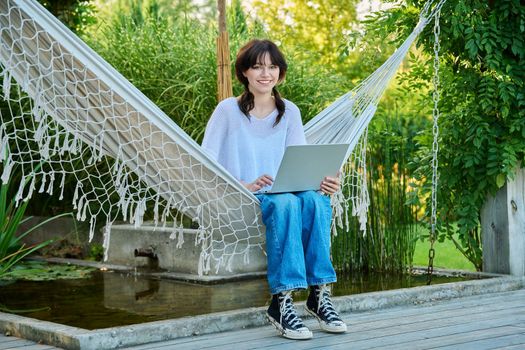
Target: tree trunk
[(224, 78)]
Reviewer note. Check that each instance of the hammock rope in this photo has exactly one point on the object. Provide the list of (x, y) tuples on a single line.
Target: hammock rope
[(72, 113)]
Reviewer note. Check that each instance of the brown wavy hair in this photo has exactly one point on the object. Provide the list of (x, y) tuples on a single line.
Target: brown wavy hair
[(248, 56)]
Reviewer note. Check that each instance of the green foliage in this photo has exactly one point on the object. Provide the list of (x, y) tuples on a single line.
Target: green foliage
[(172, 61), (173, 64), (96, 252), (447, 256), (316, 30), (12, 250), (75, 14), (391, 236), (11, 216), (482, 121), (395, 206)]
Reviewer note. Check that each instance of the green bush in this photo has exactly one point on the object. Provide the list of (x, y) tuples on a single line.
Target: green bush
[(482, 119)]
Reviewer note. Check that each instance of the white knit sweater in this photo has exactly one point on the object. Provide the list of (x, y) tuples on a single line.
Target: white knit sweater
[(251, 147)]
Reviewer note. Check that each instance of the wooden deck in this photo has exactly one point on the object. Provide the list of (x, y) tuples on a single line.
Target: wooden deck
[(491, 321), (8, 342)]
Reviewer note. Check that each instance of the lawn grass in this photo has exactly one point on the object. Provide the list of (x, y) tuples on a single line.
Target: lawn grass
[(446, 256)]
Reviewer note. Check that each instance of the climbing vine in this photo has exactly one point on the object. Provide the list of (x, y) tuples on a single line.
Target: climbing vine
[(482, 120)]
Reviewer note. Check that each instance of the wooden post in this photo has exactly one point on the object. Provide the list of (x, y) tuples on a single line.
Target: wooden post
[(503, 228), (224, 78)]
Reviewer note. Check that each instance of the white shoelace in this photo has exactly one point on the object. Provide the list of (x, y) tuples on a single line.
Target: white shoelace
[(324, 303), (288, 312)]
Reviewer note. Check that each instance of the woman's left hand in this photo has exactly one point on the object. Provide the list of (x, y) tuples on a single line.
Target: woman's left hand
[(330, 185)]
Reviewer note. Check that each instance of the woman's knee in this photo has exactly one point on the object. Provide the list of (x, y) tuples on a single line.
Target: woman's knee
[(282, 200), (314, 198)]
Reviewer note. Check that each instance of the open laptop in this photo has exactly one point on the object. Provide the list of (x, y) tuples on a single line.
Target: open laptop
[(304, 167)]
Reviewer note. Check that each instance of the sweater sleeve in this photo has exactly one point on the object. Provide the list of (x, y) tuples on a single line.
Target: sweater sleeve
[(295, 133), (215, 133)]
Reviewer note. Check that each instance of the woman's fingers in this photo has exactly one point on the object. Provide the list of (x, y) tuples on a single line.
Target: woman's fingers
[(267, 179), (260, 182), (264, 180), (330, 185)]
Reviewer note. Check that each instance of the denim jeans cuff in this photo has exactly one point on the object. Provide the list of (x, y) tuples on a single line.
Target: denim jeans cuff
[(318, 281), (280, 289)]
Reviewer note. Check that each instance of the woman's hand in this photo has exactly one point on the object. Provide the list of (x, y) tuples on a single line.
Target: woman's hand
[(260, 182), (330, 185)]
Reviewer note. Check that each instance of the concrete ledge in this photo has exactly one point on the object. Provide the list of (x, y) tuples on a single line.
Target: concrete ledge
[(141, 271), (165, 252), (111, 338), (41, 331)]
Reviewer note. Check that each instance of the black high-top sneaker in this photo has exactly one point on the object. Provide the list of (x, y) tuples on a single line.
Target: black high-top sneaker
[(283, 316), (320, 306)]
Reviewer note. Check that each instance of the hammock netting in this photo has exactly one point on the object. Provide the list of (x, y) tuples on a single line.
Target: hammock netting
[(71, 115)]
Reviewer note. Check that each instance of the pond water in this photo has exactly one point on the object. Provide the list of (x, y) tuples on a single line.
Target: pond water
[(108, 299)]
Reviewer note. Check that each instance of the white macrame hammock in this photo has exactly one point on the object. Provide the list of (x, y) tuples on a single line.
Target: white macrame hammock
[(71, 113)]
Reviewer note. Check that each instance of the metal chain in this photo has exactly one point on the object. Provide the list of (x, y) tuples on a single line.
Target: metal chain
[(435, 146)]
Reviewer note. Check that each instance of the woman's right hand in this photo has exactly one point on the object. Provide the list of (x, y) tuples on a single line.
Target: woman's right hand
[(260, 182)]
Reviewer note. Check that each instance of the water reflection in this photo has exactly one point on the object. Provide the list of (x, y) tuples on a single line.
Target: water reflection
[(110, 299), (176, 299)]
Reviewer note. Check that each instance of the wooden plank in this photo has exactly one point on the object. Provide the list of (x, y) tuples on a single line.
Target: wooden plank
[(513, 347), (391, 330), (504, 304), (430, 316), (415, 341), (7, 339), (393, 334), (14, 344), (458, 336), (491, 342), (503, 228), (41, 347), (10, 342), (495, 232), (415, 315), (428, 322), (323, 339), (415, 310), (397, 313), (516, 218)]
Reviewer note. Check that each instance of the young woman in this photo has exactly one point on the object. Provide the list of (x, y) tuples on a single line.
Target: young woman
[(248, 136)]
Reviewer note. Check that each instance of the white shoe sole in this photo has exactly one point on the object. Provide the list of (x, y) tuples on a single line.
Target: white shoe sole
[(325, 326), (290, 334)]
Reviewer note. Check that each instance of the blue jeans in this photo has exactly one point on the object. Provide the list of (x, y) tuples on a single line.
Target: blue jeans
[(297, 239)]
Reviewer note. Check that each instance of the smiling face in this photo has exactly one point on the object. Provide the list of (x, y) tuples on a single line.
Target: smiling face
[(262, 76), (260, 66)]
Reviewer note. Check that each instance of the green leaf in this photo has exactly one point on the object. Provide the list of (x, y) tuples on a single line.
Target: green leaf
[(500, 180)]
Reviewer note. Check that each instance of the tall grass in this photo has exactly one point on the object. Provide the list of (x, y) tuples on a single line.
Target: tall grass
[(395, 209), (173, 62), (391, 234)]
